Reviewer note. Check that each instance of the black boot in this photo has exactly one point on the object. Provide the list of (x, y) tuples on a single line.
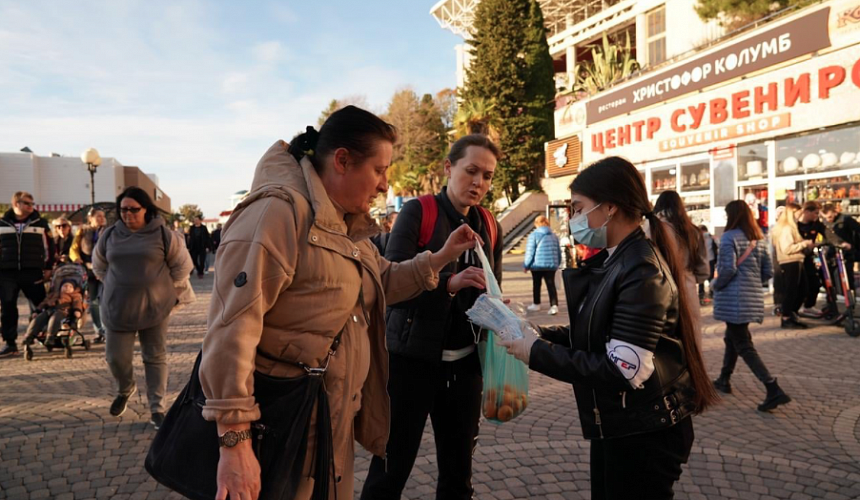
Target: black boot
[(723, 384), (775, 397)]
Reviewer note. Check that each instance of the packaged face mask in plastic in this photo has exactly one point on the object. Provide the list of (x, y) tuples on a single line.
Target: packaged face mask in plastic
[(493, 288), (491, 313)]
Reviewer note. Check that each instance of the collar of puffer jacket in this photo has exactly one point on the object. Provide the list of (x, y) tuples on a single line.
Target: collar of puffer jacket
[(278, 169)]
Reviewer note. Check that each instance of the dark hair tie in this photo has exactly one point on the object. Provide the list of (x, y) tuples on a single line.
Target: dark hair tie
[(305, 143), (648, 214)]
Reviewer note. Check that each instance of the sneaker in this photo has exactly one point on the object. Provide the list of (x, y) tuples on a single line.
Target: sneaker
[(8, 351), (120, 403), (100, 339), (793, 323), (812, 311), (533, 308), (157, 419), (553, 310)]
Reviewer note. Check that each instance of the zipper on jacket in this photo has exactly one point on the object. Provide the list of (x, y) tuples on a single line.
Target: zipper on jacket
[(624, 399), (588, 332)]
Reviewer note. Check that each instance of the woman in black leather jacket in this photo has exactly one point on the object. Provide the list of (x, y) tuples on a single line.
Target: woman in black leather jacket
[(630, 350)]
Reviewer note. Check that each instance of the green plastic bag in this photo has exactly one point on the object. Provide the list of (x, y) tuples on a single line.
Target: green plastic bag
[(506, 382)]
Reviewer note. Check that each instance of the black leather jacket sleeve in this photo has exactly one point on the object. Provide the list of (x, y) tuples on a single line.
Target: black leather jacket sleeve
[(643, 296), (557, 334), (575, 366)]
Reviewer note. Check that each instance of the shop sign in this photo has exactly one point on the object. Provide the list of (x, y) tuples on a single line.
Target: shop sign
[(563, 157), (816, 93), (788, 41), (728, 132)]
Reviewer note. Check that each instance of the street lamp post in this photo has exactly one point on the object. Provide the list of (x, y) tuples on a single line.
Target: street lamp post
[(93, 160)]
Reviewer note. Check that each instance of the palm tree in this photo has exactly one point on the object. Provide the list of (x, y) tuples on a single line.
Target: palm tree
[(476, 117), (609, 66)]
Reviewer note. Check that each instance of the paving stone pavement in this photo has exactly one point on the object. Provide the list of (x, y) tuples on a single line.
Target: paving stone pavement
[(58, 441)]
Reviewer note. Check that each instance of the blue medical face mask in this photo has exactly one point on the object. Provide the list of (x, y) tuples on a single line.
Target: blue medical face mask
[(583, 234)]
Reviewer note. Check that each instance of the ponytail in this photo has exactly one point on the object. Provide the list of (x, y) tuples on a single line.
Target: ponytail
[(705, 393)]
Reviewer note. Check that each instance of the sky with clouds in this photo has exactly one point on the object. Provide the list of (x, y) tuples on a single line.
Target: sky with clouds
[(195, 91)]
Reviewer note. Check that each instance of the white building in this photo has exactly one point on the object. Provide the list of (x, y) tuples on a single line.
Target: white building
[(58, 183), (61, 184)]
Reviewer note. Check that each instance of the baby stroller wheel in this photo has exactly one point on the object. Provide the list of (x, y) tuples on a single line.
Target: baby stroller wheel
[(852, 327), (87, 345), (28, 353), (67, 343), (777, 311)]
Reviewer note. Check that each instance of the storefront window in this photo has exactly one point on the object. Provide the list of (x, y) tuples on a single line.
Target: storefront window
[(699, 209), (834, 149), (663, 179), (841, 190), (696, 176), (753, 162)]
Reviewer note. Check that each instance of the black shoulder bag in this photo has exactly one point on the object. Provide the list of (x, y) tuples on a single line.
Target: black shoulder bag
[(185, 451)]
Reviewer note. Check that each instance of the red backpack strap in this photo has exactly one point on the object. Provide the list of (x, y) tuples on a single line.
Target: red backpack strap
[(429, 213), (490, 224)]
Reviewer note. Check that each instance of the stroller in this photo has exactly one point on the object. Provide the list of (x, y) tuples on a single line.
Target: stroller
[(69, 334)]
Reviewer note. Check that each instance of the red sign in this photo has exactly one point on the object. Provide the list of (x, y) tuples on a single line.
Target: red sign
[(725, 113)]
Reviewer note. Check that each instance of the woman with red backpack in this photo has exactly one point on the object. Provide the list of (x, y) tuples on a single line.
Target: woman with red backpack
[(433, 359)]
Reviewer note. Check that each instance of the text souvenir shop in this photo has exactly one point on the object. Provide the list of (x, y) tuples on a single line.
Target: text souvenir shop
[(770, 117)]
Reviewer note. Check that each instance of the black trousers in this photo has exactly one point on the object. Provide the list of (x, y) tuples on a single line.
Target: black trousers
[(794, 287), (199, 259), (11, 284), (640, 466), (739, 343), (450, 394), (549, 278), (813, 282), (713, 265)]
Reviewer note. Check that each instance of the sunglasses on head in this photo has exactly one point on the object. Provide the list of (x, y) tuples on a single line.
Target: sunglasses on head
[(133, 210)]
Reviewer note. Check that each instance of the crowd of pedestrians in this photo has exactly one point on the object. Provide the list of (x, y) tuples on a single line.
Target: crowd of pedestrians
[(303, 273)]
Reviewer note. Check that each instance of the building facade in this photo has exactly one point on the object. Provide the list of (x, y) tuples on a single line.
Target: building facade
[(61, 184), (770, 116)]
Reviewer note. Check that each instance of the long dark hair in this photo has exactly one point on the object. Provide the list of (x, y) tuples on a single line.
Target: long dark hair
[(350, 127), (615, 180), (140, 196), (739, 216), (671, 207)]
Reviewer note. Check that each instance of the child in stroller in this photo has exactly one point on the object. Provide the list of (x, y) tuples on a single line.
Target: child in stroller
[(61, 312)]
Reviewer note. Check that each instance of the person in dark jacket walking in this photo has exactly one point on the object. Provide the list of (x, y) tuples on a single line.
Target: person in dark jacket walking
[(26, 259), (743, 268), (848, 229), (631, 350), (543, 257), (199, 242), (433, 360)]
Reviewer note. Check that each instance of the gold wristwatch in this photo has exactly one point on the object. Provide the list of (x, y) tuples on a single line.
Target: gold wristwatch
[(231, 438)]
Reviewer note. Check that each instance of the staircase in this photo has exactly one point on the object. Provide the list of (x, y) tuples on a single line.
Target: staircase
[(515, 240)]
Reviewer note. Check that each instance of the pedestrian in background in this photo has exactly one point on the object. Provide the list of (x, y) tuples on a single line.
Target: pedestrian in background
[(543, 258), (630, 351), (848, 229), (381, 239), (199, 243), (26, 259), (743, 269), (62, 240), (811, 228), (82, 250), (711, 247), (690, 242), (140, 262), (791, 249)]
